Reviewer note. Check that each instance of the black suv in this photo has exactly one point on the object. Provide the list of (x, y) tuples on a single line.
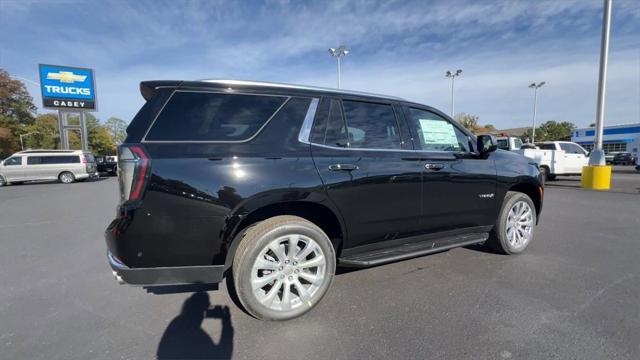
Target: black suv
[(623, 158), (274, 185)]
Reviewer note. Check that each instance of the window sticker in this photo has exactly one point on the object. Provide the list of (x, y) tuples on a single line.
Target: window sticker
[(438, 132)]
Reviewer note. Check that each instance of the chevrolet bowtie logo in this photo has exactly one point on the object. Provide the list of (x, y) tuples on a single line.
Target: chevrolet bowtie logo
[(65, 77)]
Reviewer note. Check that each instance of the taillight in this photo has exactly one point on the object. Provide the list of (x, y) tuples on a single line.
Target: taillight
[(83, 159), (133, 168)]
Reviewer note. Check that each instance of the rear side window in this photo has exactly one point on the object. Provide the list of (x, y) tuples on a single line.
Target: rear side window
[(49, 160), (371, 125), (194, 116), (547, 146)]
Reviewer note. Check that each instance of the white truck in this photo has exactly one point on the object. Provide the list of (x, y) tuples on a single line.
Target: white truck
[(510, 143), (557, 158)]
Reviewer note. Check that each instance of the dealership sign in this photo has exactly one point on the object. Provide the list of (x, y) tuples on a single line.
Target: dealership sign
[(65, 87)]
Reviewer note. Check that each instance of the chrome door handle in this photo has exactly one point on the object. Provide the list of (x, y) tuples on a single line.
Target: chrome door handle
[(343, 167), (433, 166)]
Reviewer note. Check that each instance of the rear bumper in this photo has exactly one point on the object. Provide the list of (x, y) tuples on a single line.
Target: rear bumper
[(178, 275)]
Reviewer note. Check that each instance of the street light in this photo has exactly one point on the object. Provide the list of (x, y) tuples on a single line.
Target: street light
[(23, 135), (25, 79), (452, 75), (535, 88), (338, 53)]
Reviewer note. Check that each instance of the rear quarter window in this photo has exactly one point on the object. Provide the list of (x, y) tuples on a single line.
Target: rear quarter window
[(199, 116)]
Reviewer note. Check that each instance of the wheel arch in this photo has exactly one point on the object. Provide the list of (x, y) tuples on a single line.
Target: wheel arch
[(535, 193), (321, 215)]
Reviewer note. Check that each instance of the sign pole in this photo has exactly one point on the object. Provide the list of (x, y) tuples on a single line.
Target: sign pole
[(83, 131)]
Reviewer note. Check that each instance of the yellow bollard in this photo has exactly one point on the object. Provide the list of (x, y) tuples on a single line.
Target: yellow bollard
[(596, 177)]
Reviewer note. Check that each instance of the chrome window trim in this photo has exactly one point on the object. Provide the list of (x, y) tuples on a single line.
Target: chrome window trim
[(305, 133), (144, 138), (305, 130)]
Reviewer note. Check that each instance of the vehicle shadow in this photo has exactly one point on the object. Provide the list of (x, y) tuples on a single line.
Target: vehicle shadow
[(184, 338)]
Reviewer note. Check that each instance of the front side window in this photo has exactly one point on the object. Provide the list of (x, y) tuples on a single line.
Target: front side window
[(371, 126), (196, 116), (436, 133), (13, 161), (517, 143)]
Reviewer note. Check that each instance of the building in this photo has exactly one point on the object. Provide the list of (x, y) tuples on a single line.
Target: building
[(616, 138), (517, 132)]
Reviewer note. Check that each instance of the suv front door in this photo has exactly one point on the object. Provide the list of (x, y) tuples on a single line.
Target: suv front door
[(359, 152), (458, 186)]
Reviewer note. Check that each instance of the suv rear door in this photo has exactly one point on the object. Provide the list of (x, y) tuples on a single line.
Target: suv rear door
[(458, 186), (359, 151)]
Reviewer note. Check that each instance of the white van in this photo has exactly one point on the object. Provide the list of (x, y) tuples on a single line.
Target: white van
[(65, 165)]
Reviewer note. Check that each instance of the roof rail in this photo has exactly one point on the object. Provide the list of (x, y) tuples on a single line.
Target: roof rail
[(297, 87)]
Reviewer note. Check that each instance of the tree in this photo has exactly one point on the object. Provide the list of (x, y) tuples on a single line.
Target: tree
[(468, 121), (44, 133), (551, 131), (117, 129), (16, 111), (16, 105)]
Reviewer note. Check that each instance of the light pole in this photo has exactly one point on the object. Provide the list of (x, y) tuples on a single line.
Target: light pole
[(338, 53), (535, 88), (597, 156), (23, 135), (452, 75), (25, 79)]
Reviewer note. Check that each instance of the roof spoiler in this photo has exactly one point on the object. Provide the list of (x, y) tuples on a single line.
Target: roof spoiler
[(148, 88)]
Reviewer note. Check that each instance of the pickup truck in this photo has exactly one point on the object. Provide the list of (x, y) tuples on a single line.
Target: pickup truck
[(107, 164), (557, 158), (510, 143)]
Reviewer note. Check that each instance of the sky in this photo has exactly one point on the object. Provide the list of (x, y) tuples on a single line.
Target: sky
[(400, 48)]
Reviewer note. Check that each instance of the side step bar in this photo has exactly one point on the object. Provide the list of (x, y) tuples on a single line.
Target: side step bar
[(410, 250)]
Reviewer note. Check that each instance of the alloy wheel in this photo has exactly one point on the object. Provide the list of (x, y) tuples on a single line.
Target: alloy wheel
[(519, 224), (288, 272)]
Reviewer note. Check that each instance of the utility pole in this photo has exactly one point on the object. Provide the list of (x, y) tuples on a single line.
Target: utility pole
[(338, 53), (23, 135), (452, 75), (535, 88)]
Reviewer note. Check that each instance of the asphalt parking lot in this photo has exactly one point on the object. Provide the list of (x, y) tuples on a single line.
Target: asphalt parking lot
[(575, 294)]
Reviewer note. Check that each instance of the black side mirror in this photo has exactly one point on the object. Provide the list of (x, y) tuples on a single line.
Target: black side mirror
[(487, 144)]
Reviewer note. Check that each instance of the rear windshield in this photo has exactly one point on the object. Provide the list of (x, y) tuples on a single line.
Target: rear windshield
[(193, 116), (48, 160)]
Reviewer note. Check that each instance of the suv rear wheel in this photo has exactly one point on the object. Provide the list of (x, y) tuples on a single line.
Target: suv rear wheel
[(516, 222), (282, 268)]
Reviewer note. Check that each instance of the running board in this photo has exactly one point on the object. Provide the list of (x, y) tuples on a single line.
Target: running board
[(410, 250)]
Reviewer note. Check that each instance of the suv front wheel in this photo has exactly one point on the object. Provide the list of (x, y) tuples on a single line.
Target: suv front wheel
[(282, 268), (514, 227)]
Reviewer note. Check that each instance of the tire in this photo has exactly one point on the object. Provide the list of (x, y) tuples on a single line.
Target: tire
[(512, 237), (3, 182), (551, 176), (66, 177), (544, 172), (279, 275)]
